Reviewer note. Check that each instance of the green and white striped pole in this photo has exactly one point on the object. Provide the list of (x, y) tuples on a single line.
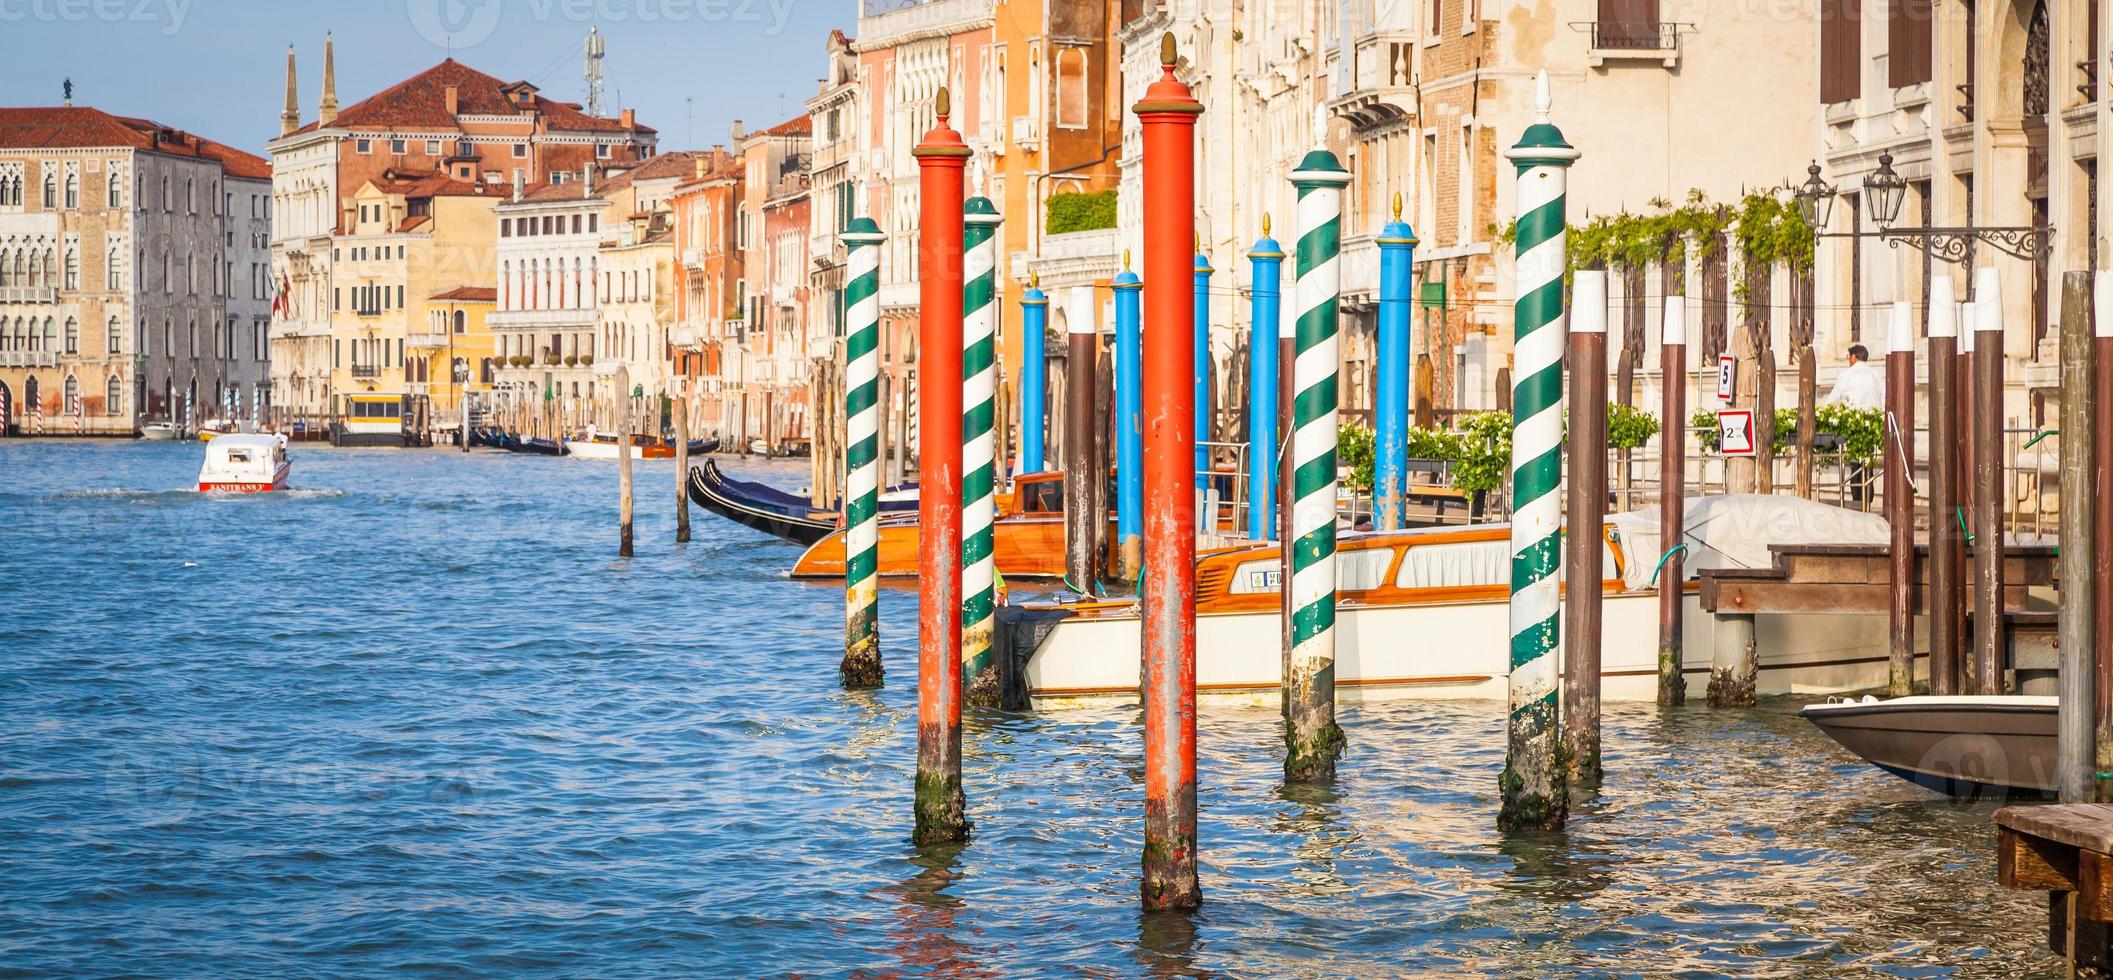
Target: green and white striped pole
[(862, 667), (979, 386), (1533, 787), (1312, 741)]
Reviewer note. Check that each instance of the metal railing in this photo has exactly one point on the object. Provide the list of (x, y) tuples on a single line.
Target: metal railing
[(1634, 35)]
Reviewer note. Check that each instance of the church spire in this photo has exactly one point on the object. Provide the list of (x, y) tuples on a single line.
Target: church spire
[(326, 111), (290, 117)]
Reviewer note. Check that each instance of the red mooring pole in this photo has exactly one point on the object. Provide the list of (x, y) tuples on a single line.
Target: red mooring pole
[(1168, 114), (942, 810)]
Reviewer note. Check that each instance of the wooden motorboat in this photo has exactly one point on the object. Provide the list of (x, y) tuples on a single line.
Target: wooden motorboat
[(789, 516), (1420, 614), (1027, 537), (1960, 745), (238, 463), (602, 445)]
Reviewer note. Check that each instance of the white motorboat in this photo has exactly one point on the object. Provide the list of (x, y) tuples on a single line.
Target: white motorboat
[(1425, 614), (1960, 745), (244, 463), (158, 432)]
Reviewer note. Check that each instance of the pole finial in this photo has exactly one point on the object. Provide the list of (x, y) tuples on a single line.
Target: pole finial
[(1166, 51), (1542, 100), (1034, 279), (1126, 260), (1265, 224), (1397, 205), (942, 104)]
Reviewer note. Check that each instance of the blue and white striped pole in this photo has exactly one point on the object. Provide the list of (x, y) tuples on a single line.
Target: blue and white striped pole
[(1267, 258), (1390, 423), (1533, 788), (1034, 375), (1129, 433)]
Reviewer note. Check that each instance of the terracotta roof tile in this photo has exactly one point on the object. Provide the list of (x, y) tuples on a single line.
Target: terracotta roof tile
[(76, 127), (420, 102), (469, 294)]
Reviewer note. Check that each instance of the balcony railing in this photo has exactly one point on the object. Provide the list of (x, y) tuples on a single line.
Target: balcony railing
[(429, 341), (366, 371), (29, 358), (1635, 35), (29, 294), (506, 319)]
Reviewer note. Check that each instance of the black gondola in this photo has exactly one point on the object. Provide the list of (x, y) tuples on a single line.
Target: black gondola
[(767, 509)]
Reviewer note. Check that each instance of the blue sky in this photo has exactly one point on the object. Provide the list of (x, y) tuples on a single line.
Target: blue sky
[(217, 67)]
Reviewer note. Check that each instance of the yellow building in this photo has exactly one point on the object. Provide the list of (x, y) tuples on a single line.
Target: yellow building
[(405, 241), (454, 354)]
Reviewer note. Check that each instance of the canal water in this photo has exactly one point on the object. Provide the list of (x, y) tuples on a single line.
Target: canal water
[(416, 716)]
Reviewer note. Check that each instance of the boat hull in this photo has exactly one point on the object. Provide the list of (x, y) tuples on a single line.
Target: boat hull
[(1024, 547), (1967, 746), (1452, 650), (772, 512), (278, 482), (157, 433)]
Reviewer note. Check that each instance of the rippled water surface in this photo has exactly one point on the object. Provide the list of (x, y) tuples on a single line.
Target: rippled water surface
[(417, 716)]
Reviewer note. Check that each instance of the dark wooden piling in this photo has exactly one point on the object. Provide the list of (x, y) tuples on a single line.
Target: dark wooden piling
[(2102, 522), (2076, 755), (1583, 544), (1946, 544), (682, 469), (1083, 521), (1988, 483), (1672, 502), (1899, 459), (623, 461)]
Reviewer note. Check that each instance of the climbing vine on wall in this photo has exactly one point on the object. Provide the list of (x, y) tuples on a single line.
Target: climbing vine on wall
[(1767, 225)]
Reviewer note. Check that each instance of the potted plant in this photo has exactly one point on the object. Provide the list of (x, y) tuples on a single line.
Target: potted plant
[(587, 359), (572, 360)]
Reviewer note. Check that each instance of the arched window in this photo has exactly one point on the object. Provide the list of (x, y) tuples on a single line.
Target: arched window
[(113, 394), (114, 336), (506, 285), (73, 395), (7, 268), (73, 191), (115, 183), (51, 190), (51, 334), (72, 279), (462, 320), (111, 281), (73, 336), (36, 269)]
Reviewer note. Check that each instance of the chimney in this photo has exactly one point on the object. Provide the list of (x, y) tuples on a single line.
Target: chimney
[(326, 110), (699, 162), (517, 185), (290, 118), (587, 178), (737, 132), (454, 98), (628, 118)]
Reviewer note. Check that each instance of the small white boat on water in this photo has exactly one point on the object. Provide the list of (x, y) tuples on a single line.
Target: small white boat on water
[(244, 463), (1425, 614), (158, 431), (1960, 745)]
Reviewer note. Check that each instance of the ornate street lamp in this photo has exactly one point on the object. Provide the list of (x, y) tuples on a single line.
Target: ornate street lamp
[(1884, 191), (1815, 198)]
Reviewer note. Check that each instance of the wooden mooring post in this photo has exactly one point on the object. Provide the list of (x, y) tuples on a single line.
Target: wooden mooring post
[(1898, 447), (681, 412), (1084, 518), (861, 668), (2076, 753), (979, 486), (1168, 117), (1988, 482), (1946, 543), (623, 460), (1672, 502), (2102, 523), (941, 806), (1584, 542)]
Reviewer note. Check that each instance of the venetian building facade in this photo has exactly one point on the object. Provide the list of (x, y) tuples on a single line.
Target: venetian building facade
[(709, 278), (1994, 114), (114, 272), (548, 263), (449, 120)]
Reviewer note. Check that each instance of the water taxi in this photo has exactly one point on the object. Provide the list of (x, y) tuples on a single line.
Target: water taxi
[(370, 420), (1027, 537), (1425, 614), (244, 463)]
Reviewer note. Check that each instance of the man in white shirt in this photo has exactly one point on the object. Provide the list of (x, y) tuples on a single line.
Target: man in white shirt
[(1859, 385)]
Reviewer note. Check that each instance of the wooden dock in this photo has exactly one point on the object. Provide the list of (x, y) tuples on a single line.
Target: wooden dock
[(2065, 850), (1834, 578)]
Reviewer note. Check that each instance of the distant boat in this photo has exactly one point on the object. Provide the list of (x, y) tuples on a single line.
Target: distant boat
[(1959, 745), (158, 431), (209, 431), (238, 463)]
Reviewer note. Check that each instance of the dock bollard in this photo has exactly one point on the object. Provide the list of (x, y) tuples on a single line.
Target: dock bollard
[(942, 808), (1534, 792), (1168, 599), (979, 476), (1266, 259), (862, 667), (1672, 503), (1312, 740), (1584, 561)]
